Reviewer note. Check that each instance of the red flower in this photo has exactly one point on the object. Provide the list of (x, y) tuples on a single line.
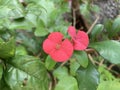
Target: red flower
[(58, 48), (80, 39)]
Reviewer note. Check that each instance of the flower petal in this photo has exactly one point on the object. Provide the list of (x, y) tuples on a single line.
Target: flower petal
[(81, 42), (64, 53), (55, 37), (72, 31), (67, 47), (59, 56), (48, 46), (79, 46)]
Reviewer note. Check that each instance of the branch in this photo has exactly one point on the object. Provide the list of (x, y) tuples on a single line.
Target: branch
[(90, 29), (74, 17)]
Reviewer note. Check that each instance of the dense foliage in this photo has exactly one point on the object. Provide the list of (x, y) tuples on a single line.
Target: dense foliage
[(26, 65)]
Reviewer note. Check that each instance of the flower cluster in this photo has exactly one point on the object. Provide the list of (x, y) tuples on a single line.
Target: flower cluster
[(61, 49)]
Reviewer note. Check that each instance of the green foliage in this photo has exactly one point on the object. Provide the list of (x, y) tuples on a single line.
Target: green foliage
[(11, 9), (20, 50), (82, 58), (96, 31), (7, 48), (105, 75), (1, 71), (3, 85), (25, 66), (113, 27), (41, 29), (65, 82), (86, 9), (27, 72), (111, 85), (88, 78), (49, 63), (107, 80), (108, 49), (60, 72), (74, 66)]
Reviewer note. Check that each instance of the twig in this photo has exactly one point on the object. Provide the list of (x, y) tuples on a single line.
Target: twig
[(90, 29), (74, 17), (19, 41), (50, 86), (90, 50), (91, 59), (55, 81), (101, 63), (38, 55), (63, 64), (112, 65), (0, 61)]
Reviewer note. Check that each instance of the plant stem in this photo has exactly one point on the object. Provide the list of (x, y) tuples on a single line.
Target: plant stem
[(74, 17), (90, 29)]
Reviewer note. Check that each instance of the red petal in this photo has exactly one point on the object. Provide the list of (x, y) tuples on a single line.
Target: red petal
[(81, 42), (55, 37), (48, 46), (72, 31), (59, 56), (79, 46), (64, 53), (67, 47)]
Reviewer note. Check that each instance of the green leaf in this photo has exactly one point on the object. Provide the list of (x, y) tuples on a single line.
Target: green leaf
[(1, 71), (60, 72), (95, 8), (105, 75), (110, 50), (1, 40), (22, 23), (12, 9), (48, 7), (26, 73), (108, 26), (82, 58), (67, 83), (30, 19), (74, 65), (110, 85), (85, 11), (20, 50), (7, 49), (97, 30), (42, 8), (3, 85), (112, 27), (28, 41), (88, 78), (33, 13), (41, 29), (49, 63), (115, 27)]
